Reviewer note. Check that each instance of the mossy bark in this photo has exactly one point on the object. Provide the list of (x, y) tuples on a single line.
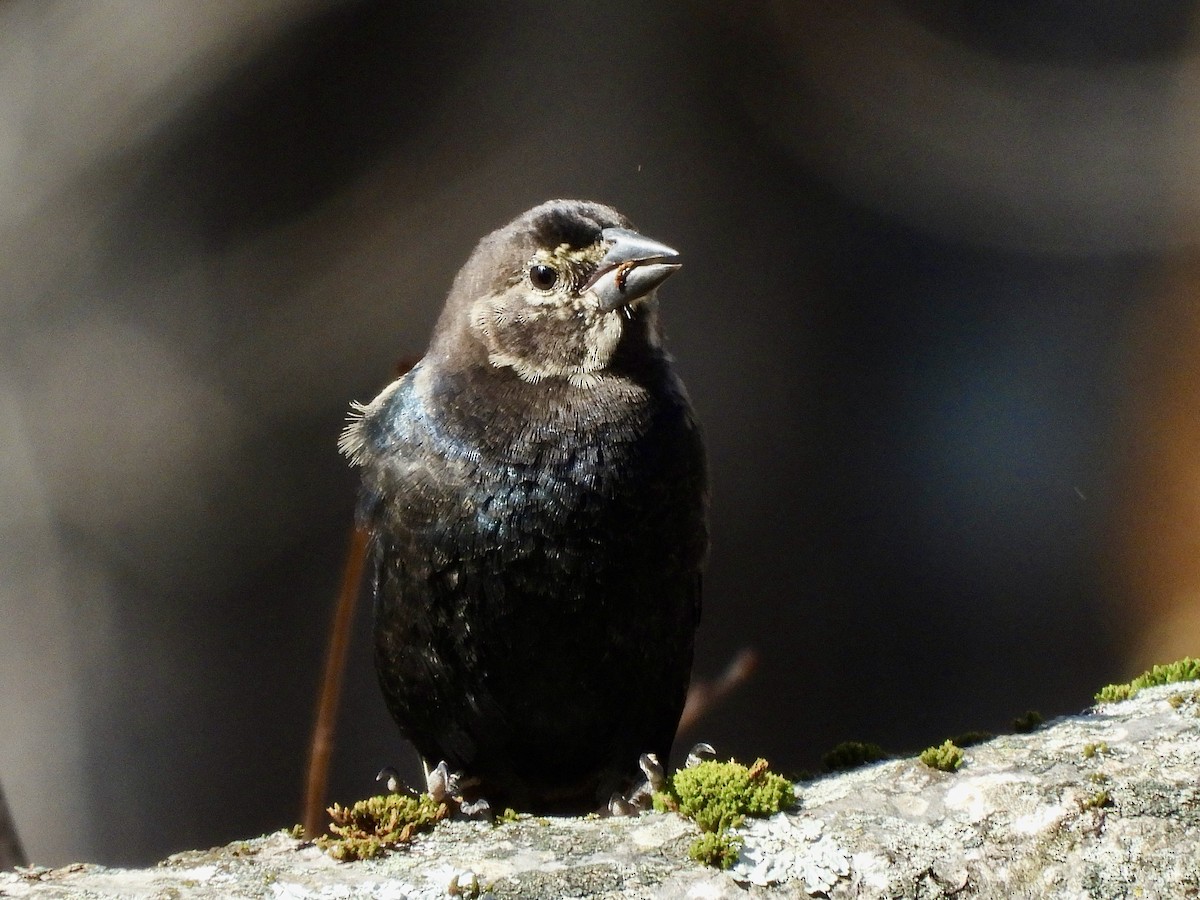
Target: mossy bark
[(1096, 805)]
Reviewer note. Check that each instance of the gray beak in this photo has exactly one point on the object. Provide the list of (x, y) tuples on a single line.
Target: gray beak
[(633, 266)]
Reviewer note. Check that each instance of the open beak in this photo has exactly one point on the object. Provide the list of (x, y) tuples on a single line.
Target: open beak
[(633, 266)]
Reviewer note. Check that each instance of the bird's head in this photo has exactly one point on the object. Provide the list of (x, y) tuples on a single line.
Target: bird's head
[(553, 294)]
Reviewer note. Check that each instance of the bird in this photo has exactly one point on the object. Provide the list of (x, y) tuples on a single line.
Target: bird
[(535, 489)]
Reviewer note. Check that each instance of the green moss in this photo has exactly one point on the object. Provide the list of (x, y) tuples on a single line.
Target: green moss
[(1098, 800), (1186, 669), (719, 796), (946, 758), (467, 887), (1090, 750), (852, 754), (370, 826), (1114, 693), (1031, 721), (1180, 699), (718, 849), (508, 816), (296, 831), (971, 738)]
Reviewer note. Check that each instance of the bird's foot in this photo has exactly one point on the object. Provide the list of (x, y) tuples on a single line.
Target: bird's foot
[(641, 798), (447, 787), (441, 783), (443, 786)]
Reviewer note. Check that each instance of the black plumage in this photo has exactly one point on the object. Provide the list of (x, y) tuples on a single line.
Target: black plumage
[(536, 491)]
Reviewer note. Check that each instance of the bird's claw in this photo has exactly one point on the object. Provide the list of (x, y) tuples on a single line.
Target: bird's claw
[(477, 809), (391, 777), (698, 754), (618, 805), (641, 798), (656, 776), (441, 783), (445, 786)]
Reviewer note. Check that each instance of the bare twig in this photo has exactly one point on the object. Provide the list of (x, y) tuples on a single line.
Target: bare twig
[(704, 695), (331, 684), (11, 852), (330, 695)]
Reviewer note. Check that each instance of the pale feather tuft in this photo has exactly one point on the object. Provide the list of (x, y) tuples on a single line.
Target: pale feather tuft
[(353, 441)]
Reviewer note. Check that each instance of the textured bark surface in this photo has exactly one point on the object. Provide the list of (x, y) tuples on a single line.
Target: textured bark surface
[(1106, 804)]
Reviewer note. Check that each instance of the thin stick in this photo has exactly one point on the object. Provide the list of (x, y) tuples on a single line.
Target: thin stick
[(704, 695), (11, 852), (331, 684)]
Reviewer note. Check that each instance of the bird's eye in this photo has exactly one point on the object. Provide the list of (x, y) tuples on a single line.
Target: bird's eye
[(543, 277)]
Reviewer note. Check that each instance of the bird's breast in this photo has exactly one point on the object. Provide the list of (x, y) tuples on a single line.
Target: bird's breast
[(521, 457)]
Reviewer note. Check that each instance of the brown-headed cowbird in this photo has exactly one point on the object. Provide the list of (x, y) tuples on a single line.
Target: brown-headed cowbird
[(536, 491)]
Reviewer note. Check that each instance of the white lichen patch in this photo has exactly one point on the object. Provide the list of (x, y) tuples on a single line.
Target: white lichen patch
[(1042, 819), (869, 870), (786, 848), (199, 873), (975, 798), (649, 837), (911, 806)]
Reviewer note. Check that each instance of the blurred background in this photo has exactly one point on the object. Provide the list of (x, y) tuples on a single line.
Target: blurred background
[(938, 316)]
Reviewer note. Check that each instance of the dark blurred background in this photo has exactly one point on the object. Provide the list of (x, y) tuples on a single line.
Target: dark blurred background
[(938, 316)]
